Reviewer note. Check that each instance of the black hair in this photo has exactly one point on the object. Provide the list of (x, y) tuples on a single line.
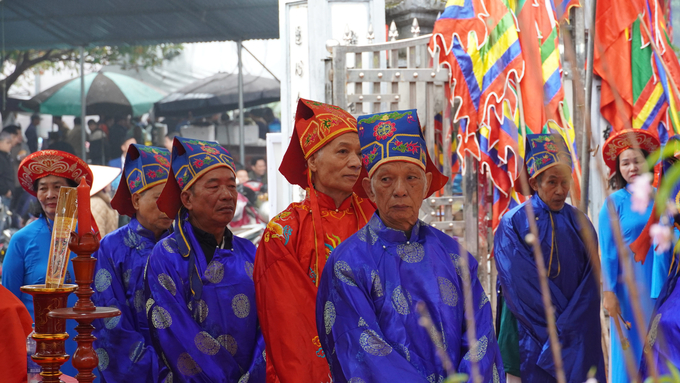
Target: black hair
[(35, 209), (617, 181), (253, 161), (77, 120), (12, 129)]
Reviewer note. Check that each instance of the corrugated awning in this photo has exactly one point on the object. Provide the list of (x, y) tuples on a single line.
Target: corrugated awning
[(43, 24)]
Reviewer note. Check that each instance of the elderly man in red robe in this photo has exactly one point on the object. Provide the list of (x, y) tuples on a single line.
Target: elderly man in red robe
[(324, 157)]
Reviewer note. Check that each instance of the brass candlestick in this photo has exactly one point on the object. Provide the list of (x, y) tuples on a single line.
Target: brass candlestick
[(84, 311), (50, 333)]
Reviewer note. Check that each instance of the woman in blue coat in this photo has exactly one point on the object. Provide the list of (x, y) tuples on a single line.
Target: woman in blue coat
[(625, 153), (42, 174)]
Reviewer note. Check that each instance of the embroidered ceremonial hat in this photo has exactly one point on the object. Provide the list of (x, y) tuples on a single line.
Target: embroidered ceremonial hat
[(543, 151), (145, 167), (52, 163), (395, 136), (618, 142), (191, 159), (316, 124)]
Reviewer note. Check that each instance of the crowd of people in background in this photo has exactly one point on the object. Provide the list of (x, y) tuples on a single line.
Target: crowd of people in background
[(106, 141)]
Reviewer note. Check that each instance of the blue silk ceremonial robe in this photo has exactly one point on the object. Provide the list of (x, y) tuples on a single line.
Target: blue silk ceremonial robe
[(366, 308), (202, 317), (123, 343), (649, 277), (574, 291), (664, 331)]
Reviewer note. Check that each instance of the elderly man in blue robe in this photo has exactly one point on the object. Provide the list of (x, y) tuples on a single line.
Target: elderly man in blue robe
[(366, 304), (574, 290), (124, 343), (200, 295)]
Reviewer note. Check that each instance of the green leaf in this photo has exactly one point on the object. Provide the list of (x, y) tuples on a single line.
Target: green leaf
[(457, 378)]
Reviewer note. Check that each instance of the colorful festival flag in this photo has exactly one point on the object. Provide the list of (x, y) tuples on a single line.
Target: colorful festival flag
[(478, 41)]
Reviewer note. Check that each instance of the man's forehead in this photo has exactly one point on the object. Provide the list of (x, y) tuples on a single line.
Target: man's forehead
[(394, 166), (560, 171), (217, 174)]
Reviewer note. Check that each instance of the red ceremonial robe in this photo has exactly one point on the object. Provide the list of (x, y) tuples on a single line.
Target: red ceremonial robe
[(15, 322), (286, 277)]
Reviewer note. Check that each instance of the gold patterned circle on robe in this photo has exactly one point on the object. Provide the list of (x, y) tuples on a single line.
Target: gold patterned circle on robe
[(103, 358), (160, 318), (400, 301), (482, 344), (404, 351), (214, 272), (206, 344), (455, 259), (241, 305), (484, 300), (329, 316), (126, 278), (377, 285), (187, 365), (249, 269), (168, 244), (372, 343), (112, 322), (229, 343), (167, 283), (202, 310), (448, 292), (102, 280), (139, 300), (136, 351), (344, 273), (412, 252), (365, 233), (149, 303)]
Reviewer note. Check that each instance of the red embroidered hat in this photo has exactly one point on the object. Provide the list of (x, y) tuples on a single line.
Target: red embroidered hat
[(52, 163), (618, 142), (316, 124)]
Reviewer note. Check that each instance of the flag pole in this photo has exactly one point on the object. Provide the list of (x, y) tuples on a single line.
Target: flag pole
[(588, 133)]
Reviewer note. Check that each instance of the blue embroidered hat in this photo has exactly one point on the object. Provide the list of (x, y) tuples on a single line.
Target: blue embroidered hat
[(145, 167), (395, 136), (191, 159), (543, 151)]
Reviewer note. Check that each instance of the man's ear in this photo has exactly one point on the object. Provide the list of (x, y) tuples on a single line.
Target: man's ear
[(186, 198), (366, 183), (533, 182), (135, 200), (311, 162), (428, 177)]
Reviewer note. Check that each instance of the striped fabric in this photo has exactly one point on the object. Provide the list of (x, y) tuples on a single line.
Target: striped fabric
[(478, 40), (539, 35)]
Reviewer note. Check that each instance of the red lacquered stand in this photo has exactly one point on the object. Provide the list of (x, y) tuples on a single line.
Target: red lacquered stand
[(50, 333), (84, 311)]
